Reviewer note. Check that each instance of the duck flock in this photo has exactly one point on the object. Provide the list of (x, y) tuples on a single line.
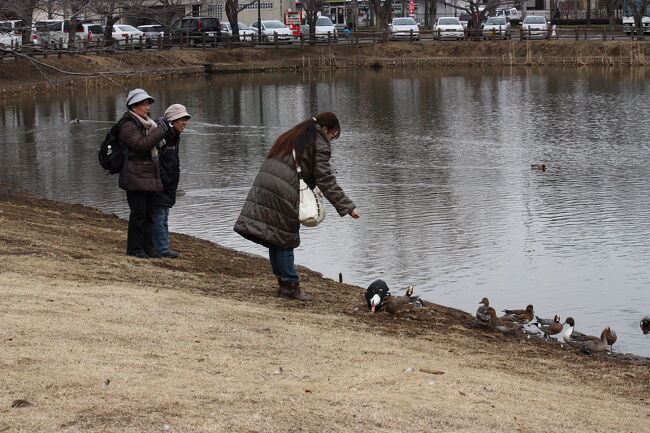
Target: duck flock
[(379, 298)]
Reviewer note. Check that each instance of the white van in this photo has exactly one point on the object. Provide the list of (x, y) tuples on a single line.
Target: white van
[(511, 14), (53, 32), (10, 32)]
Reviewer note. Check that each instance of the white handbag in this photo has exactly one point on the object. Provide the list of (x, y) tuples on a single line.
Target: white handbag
[(311, 210)]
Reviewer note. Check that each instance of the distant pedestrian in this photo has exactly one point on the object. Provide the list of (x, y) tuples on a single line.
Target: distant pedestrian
[(170, 171), (140, 175), (555, 22), (270, 214), (347, 32)]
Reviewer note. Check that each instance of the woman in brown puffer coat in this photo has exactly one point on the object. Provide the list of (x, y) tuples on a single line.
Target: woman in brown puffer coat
[(270, 214)]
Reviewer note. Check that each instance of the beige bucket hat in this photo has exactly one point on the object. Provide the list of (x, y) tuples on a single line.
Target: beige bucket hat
[(175, 112)]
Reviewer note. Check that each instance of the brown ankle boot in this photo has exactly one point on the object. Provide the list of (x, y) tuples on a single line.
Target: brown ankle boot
[(291, 289)]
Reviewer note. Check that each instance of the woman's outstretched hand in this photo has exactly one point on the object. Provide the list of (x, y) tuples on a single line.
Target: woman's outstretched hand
[(354, 214)]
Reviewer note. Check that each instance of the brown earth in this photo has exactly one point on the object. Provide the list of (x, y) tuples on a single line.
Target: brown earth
[(24, 76), (98, 341)]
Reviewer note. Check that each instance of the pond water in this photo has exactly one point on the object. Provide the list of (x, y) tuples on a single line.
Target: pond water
[(437, 161)]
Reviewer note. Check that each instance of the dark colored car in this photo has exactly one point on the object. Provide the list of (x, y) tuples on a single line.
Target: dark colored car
[(198, 29)]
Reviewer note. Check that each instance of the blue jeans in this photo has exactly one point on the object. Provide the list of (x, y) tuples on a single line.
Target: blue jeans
[(282, 263), (160, 230)]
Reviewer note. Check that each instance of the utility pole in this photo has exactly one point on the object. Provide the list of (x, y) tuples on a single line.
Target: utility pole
[(355, 14), (259, 22)]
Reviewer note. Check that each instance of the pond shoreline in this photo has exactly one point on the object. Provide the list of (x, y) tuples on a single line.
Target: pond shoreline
[(124, 68), (93, 337)]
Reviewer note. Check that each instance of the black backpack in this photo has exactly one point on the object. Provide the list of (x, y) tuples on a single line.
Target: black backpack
[(111, 154)]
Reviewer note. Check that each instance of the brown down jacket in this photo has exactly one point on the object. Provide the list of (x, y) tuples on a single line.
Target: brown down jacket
[(139, 172), (270, 213)]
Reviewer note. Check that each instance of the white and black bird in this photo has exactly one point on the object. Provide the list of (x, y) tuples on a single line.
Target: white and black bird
[(376, 295)]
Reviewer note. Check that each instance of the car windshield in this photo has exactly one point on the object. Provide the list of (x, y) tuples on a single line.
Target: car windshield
[(44, 26), (125, 28), (151, 28), (95, 29), (404, 22), (496, 21), (242, 26), (448, 22), (534, 20), (5, 27), (273, 24), (324, 21), (464, 17)]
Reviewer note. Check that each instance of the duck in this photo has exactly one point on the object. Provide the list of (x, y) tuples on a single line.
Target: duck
[(541, 167), (397, 305), (549, 326), (610, 336), (570, 332), (482, 313), (588, 343), (376, 295), (501, 325), (645, 324), (520, 316)]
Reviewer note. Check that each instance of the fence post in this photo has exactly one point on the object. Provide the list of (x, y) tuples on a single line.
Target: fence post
[(577, 34), (275, 39), (411, 36), (329, 41), (203, 41), (604, 33)]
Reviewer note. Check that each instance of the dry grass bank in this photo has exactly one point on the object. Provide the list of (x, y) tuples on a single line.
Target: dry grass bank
[(23, 76), (101, 342)]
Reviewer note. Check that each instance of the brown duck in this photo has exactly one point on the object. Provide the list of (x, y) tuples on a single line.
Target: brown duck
[(502, 325), (397, 305), (482, 313), (520, 316), (549, 326)]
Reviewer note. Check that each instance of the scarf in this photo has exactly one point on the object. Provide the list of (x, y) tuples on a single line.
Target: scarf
[(148, 124)]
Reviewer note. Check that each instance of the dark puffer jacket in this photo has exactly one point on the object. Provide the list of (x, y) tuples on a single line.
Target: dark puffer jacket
[(140, 172), (270, 214), (170, 170)]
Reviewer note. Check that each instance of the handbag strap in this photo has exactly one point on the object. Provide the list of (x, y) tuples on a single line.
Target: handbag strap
[(298, 169)]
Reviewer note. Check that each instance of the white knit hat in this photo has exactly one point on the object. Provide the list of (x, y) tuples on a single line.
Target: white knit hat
[(175, 112), (137, 95)]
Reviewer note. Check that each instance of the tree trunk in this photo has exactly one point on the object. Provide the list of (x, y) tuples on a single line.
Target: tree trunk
[(232, 12)]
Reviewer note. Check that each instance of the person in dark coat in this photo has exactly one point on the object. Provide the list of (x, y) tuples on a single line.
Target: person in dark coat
[(170, 170), (270, 214), (140, 174)]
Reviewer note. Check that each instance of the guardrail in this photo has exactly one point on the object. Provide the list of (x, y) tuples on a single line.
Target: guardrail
[(59, 48)]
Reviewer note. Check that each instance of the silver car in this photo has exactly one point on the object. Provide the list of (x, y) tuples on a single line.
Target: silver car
[(497, 28), (535, 26), (151, 33), (245, 33), (403, 28), (448, 28)]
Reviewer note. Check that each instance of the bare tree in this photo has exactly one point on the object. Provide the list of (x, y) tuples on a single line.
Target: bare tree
[(476, 14), (612, 6), (233, 7), (113, 11), (312, 8), (383, 13), (639, 9), (430, 12), (22, 10), (163, 12)]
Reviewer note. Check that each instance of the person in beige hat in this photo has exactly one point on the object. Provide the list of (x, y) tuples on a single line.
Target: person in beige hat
[(177, 117)]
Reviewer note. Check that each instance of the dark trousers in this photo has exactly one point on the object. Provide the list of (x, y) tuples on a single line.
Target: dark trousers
[(282, 263), (140, 222)]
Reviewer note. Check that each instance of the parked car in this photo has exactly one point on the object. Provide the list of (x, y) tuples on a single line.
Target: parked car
[(199, 29), (245, 33), (10, 32), (448, 28), (535, 26), (510, 14), (91, 32), (151, 33), (57, 32), (124, 33), (272, 27), (497, 27), (324, 27), (403, 28)]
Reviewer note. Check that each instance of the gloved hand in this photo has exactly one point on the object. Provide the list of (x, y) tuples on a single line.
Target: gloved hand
[(165, 124)]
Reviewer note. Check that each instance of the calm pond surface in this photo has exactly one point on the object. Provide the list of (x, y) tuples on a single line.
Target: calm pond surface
[(438, 163)]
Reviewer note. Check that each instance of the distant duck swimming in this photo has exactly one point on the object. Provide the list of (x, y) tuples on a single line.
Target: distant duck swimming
[(541, 167), (483, 313), (549, 326), (376, 295), (645, 324), (520, 316)]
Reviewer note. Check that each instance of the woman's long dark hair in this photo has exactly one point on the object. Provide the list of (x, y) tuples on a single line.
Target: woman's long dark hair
[(304, 134)]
